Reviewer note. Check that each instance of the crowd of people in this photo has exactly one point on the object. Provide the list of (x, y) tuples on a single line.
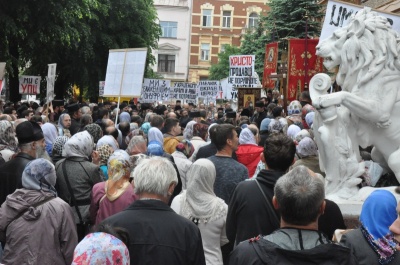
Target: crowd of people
[(176, 184)]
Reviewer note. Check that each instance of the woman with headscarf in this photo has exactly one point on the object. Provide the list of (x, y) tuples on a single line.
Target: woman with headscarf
[(115, 194), (155, 135), (292, 131), (200, 133), (145, 128), (188, 131), (8, 141), (264, 131), (58, 147), (184, 150), (64, 123), (36, 226), (50, 134), (200, 205), (307, 151), (137, 145), (108, 139), (248, 152), (76, 176), (105, 152), (101, 248), (95, 131), (373, 243)]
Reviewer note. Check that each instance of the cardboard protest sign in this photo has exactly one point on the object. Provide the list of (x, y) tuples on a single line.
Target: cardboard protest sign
[(338, 15), (51, 78), (184, 91), (241, 71), (125, 70), (208, 89), (155, 90), (29, 85)]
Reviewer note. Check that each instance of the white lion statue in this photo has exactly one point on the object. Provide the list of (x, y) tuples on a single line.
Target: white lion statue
[(367, 110)]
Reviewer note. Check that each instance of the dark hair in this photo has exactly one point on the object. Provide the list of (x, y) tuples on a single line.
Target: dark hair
[(137, 119), (212, 133), (101, 113), (170, 123), (119, 232), (223, 132), (156, 121), (26, 113), (37, 119), (305, 95), (124, 127), (203, 114), (8, 110), (279, 151)]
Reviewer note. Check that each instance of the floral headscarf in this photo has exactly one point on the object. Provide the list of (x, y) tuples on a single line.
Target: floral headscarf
[(118, 164), (58, 145), (101, 248), (200, 130), (80, 145), (307, 147), (137, 145), (301, 135), (39, 174), (95, 131), (185, 147), (7, 136), (377, 214), (247, 137), (104, 152)]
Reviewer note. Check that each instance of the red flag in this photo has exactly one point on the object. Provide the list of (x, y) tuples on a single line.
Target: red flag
[(300, 52), (270, 63)]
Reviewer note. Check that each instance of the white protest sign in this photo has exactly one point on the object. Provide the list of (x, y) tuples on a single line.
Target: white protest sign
[(29, 85), (125, 70), (230, 92), (241, 71), (51, 78), (155, 90), (221, 92), (184, 91), (338, 15), (101, 88), (208, 89)]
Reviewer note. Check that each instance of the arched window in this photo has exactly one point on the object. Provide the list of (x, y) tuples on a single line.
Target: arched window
[(253, 20)]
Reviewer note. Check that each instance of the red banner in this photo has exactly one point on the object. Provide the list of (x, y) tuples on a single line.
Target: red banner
[(301, 60), (270, 63)]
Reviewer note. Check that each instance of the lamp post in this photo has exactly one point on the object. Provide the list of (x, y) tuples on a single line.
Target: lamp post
[(306, 55)]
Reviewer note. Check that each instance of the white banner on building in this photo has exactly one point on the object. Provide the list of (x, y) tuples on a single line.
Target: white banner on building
[(338, 15), (184, 91), (125, 70), (155, 90), (29, 85), (241, 71), (51, 79)]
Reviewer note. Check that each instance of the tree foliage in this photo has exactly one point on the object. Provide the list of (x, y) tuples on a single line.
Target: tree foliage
[(75, 34), (221, 69)]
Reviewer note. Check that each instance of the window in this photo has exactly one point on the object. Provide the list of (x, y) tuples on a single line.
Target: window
[(166, 63), (205, 51), (253, 20), (226, 19), (168, 29), (223, 48), (207, 17)]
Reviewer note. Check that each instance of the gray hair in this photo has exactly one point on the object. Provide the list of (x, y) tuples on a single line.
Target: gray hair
[(154, 175), (85, 110), (300, 196)]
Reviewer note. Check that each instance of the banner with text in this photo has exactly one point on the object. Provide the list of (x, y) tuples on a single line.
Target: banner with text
[(241, 71), (208, 89), (29, 85), (155, 90), (51, 79), (302, 61), (187, 92), (338, 15), (270, 64)]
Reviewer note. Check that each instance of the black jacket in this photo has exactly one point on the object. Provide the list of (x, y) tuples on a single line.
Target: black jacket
[(11, 175), (158, 235), (248, 215), (209, 150)]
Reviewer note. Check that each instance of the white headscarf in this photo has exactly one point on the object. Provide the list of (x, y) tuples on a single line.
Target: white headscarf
[(199, 200), (307, 147), (188, 132), (108, 139), (247, 137), (80, 145), (155, 135), (292, 131)]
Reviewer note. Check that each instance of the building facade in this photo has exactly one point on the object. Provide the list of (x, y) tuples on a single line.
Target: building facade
[(172, 55), (216, 23)]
